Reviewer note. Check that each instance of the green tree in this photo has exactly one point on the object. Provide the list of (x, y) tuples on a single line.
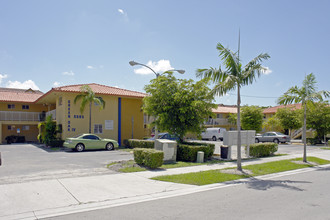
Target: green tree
[(252, 118), (305, 94), (232, 118), (318, 118), (234, 76), (88, 96), (273, 124), (50, 130), (180, 105), (289, 118)]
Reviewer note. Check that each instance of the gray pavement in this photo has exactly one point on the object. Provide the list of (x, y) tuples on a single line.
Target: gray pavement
[(301, 194), (26, 162), (59, 196)]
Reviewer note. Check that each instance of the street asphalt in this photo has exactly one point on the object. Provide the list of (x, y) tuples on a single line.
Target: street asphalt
[(59, 195)]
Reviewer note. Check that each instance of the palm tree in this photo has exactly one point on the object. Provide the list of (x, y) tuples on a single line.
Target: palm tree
[(88, 96), (306, 94), (232, 77)]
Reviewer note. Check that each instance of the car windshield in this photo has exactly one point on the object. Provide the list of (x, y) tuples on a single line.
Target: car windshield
[(279, 133)]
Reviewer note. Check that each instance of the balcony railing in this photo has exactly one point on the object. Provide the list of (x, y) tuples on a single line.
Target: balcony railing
[(217, 121), (21, 116), (52, 113)]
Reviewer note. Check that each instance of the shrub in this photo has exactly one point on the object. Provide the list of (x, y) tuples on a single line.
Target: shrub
[(150, 158), (56, 143), (263, 149), (188, 153), (125, 142), (135, 143), (313, 141), (208, 153), (15, 139)]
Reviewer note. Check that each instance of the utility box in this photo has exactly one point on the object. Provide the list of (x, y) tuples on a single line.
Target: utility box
[(168, 147), (247, 137)]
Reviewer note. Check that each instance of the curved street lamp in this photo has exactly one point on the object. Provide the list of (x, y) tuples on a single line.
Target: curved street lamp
[(133, 63)]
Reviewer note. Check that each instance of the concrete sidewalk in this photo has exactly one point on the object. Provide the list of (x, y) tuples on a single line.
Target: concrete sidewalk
[(46, 198)]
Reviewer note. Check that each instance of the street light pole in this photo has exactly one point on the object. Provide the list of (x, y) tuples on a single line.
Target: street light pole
[(133, 63)]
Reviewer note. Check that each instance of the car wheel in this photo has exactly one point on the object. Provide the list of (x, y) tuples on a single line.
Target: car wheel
[(276, 141), (214, 138), (257, 140), (109, 146), (79, 147)]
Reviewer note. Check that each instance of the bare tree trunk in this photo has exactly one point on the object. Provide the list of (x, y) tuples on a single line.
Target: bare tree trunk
[(239, 162), (90, 117), (304, 134)]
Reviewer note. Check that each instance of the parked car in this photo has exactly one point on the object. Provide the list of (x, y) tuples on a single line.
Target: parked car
[(213, 134), (272, 136), (89, 141), (166, 136)]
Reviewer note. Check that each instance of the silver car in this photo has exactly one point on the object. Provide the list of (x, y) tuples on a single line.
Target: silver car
[(272, 136)]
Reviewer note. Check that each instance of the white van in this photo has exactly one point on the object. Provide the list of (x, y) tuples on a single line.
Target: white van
[(213, 134)]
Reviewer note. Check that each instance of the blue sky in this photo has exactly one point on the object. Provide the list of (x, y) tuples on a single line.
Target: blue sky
[(44, 44)]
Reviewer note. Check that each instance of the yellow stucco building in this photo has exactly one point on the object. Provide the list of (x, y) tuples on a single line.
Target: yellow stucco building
[(122, 117)]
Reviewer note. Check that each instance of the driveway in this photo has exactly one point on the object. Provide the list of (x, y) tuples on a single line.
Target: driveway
[(24, 162)]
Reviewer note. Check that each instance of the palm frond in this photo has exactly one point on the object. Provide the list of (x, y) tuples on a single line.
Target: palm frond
[(228, 84), (293, 95), (253, 69), (99, 101), (83, 104), (77, 98), (230, 59)]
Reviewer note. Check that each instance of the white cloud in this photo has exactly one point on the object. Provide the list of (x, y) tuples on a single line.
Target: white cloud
[(160, 66), (22, 85), (3, 77), (90, 67), (70, 73), (267, 71), (56, 84), (124, 14), (121, 11)]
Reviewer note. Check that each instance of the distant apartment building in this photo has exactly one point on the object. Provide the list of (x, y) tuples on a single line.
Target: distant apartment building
[(221, 117)]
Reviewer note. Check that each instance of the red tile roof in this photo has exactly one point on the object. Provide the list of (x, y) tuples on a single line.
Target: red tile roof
[(100, 89), (19, 95), (273, 110), (225, 109)]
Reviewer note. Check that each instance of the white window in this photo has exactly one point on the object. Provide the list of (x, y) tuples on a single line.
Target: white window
[(25, 127), (98, 129), (25, 107), (219, 116)]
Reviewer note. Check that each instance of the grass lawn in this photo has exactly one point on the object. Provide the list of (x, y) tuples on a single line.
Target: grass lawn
[(215, 176), (130, 166), (325, 148)]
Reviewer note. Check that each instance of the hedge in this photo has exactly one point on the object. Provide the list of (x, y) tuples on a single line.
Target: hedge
[(150, 158), (135, 143), (56, 143), (210, 151), (188, 151), (263, 149)]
